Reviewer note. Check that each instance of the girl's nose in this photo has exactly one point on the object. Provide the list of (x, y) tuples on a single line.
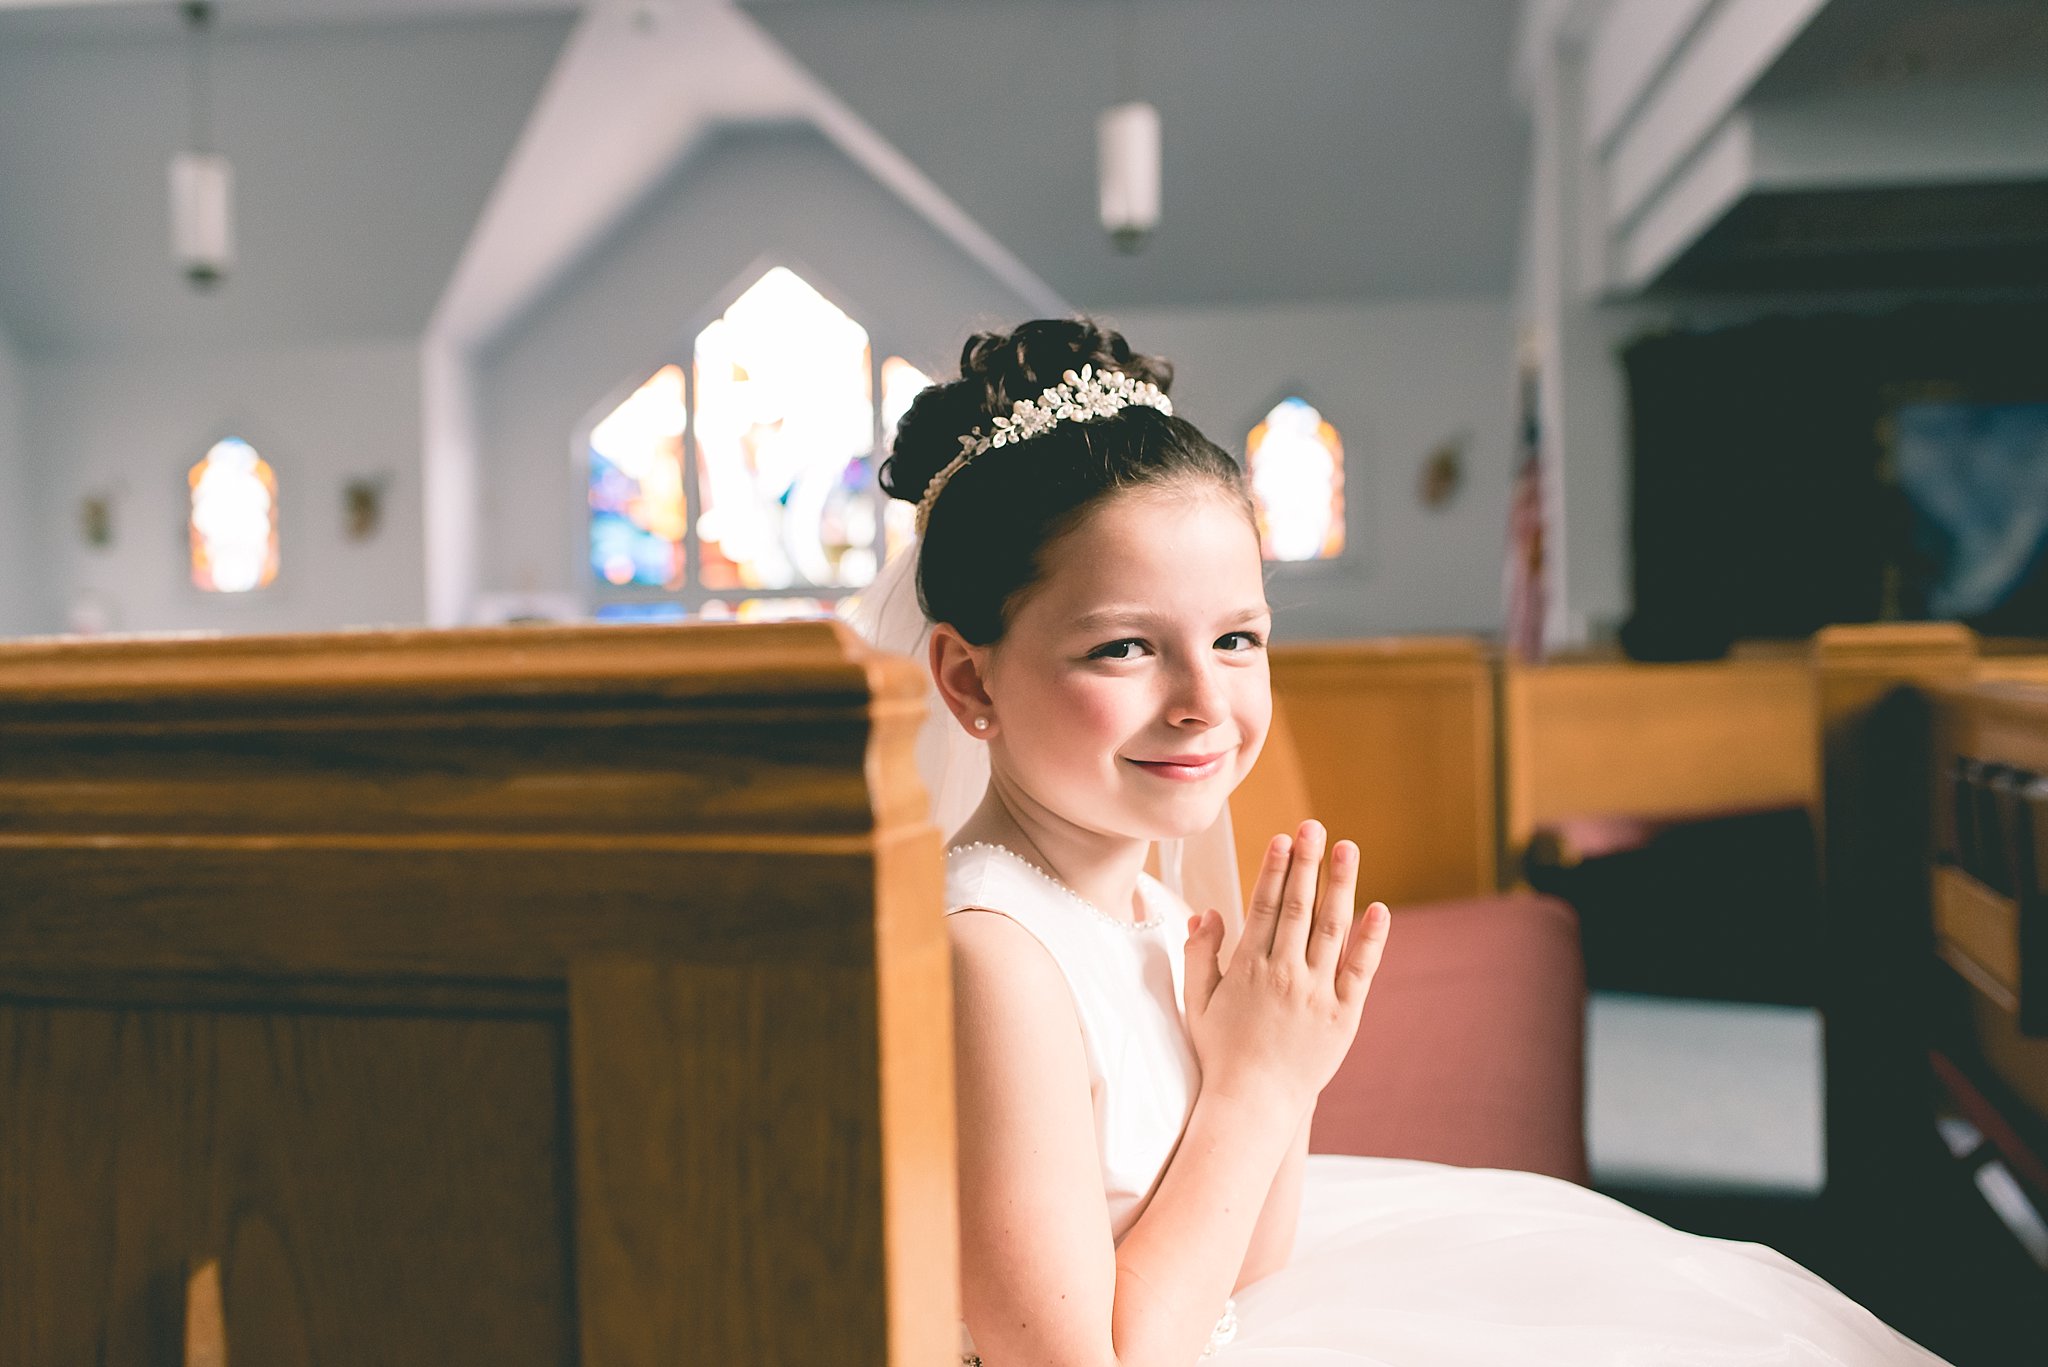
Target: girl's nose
[(1197, 696)]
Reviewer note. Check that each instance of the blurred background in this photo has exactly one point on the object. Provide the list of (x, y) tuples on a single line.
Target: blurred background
[(506, 308), (408, 258), (1587, 326)]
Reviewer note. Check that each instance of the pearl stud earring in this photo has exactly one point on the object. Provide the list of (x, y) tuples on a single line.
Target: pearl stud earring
[(981, 723)]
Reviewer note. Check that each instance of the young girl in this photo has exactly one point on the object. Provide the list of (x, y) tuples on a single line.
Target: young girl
[(1135, 1083)]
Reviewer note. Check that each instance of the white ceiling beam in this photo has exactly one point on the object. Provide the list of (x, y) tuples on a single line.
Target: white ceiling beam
[(1730, 50), (1636, 44), (638, 84), (1710, 184)]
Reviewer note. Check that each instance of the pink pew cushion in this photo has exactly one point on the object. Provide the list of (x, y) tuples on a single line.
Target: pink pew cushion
[(1472, 1048)]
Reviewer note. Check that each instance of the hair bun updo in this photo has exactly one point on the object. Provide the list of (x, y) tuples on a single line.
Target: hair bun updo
[(998, 370), (996, 516)]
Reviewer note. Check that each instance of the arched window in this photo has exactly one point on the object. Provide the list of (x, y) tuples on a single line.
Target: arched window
[(1295, 461), (234, 519), (779, 442), (637, 507)]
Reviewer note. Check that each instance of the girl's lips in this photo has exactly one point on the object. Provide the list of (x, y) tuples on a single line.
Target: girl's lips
[(1183, 768)]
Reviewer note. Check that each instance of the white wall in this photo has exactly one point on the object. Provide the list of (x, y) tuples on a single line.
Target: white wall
[(20, 606), (1396, 378), (1574, 336), (362, 153), (130, 426), (747, 201)]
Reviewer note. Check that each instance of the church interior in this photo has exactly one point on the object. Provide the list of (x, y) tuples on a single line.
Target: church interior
[(463, 897)]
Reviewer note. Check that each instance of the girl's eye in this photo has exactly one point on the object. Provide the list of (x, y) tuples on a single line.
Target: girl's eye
[(1251, 640), (1117, 650)]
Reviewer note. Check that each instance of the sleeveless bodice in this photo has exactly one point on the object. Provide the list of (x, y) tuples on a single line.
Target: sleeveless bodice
[(1125, 978)]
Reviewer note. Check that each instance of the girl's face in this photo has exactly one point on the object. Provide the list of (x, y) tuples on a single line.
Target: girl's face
[(1130, 692)]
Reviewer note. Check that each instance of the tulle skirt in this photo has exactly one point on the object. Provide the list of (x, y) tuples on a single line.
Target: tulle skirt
[(1411, 1264)]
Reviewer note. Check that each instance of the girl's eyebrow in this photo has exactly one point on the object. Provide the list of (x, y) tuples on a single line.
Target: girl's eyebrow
[(1103, 618)]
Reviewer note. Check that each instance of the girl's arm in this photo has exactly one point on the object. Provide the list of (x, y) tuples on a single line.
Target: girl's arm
[(1273, 1239), (1041, 1279)]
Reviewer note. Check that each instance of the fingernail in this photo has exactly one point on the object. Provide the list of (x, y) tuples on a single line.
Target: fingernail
[(1379, 913), (1344, 854)]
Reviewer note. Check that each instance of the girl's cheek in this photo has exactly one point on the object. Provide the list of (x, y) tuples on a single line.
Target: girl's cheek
[(1086, 708), (1254, 708), (1094, 706)]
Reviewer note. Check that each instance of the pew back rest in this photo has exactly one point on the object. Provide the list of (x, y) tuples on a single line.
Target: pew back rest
[(1389, 742), (1652, 742), (1989, 874), (525, 995)]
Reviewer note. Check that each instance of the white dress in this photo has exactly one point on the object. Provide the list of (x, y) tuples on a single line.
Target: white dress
[(1406, 1263)]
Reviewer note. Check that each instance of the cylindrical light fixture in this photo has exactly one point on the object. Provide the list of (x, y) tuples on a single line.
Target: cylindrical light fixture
[(202, 183), (202, 216), (1127, 160)]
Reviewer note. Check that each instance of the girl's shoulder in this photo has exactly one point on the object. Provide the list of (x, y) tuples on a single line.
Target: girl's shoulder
[(983, 877), (1012, 963)]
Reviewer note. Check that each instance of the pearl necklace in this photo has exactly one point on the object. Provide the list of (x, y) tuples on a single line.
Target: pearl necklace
[(1148, 924)]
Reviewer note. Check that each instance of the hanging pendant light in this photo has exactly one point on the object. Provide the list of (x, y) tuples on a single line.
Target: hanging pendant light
[(202, 182), (1127, 157), (1127, 149)]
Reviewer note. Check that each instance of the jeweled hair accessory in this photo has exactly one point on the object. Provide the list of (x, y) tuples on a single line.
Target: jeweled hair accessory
[(1084, 397)]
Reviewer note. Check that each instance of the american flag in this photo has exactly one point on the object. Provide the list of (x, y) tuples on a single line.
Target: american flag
[(1523, 584)]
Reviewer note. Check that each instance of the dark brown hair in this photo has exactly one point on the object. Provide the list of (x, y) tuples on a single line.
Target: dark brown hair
[(995, 519)]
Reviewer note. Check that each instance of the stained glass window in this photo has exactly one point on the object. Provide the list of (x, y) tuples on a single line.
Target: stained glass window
[(1295, 460), (771, 425), (782, 609), (234, 519), (785, 432), (637, 508)]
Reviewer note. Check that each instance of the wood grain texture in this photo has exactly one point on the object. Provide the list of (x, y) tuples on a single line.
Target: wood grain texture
[(375, 1191), (1653, 740), (298, 937), (206, 1327), (1973, 921), (611, 730), (400, 907), (920, 1161), (728, 1167), (1395, 739)]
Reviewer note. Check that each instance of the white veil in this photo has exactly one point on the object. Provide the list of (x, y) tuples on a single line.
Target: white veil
[(1202, 869), (954, 766)]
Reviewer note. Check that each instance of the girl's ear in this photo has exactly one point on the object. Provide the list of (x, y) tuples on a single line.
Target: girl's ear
[(957, 670)]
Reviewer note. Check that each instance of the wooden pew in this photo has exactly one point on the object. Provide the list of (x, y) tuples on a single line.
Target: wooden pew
[(1651, 742), (1989, 876), (1896, 707), (1655, 743), (1450, 760), (1471, 1051), (1394, 740), (516, 996)]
